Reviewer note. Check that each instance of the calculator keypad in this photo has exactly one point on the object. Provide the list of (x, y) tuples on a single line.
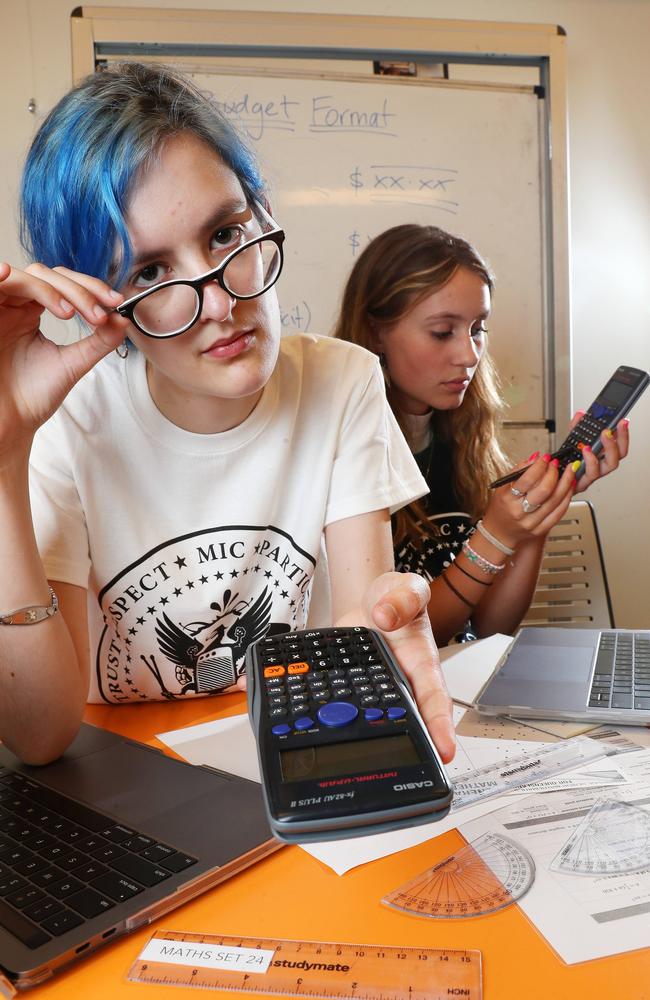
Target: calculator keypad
[(587, 431), (330, 675)]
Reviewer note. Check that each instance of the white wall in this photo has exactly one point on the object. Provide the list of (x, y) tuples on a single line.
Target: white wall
[(608, 43)]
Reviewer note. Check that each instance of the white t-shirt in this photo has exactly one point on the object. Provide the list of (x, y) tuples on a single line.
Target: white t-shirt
[(192, 546)]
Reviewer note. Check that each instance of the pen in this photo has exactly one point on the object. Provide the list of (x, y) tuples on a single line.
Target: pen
[(511, 477)]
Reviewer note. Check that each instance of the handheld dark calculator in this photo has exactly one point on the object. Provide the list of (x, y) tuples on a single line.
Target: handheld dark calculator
[(343, 751), (610, 405)]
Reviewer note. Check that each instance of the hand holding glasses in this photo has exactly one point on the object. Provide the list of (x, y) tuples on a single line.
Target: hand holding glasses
[(172, 307)]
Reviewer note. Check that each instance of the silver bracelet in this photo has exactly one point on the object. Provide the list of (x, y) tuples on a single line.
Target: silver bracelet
[(33, 614), (484, 564), (482, 530)]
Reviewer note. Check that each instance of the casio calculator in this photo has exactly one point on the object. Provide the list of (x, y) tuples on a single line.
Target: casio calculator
[(343, 751)]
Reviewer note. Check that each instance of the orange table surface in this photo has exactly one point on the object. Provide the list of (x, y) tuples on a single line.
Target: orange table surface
[(291, 895)]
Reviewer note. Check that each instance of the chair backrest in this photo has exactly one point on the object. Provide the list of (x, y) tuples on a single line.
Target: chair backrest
[(572, 587)]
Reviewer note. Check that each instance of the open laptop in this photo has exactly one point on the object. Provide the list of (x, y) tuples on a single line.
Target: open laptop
[(590, 675), (107, 838)]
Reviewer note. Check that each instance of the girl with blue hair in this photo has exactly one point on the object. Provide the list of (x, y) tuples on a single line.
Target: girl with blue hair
[(167, 480)]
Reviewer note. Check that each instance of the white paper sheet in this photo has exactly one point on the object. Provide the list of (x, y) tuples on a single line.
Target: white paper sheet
[(581, 916), (468, 665), (229, 744), (226, 744)]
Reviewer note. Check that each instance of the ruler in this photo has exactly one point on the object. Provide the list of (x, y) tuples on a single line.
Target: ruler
[(613, 838), (494, 779), (487, 875), (307, 968)]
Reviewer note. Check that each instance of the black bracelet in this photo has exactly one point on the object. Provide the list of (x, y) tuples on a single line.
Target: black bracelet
[(457, 593), (484, 583)]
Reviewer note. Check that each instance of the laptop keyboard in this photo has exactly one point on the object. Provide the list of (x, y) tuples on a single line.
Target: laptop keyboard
[(62, 863), (622, 672)]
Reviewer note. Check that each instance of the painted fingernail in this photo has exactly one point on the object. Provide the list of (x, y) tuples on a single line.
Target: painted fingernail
[(98, 312), (546, 457), (625, 422), (580, 446), (556, 463), (609, 433), (576, 465), (65, 305), (586, 448), (531, 458)]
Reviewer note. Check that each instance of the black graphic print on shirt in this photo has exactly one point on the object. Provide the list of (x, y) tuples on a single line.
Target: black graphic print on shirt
[(178, 622), (431, 555)]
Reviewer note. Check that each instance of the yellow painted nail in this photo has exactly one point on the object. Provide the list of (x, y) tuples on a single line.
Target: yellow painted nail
[(609, 433), (575, 466)]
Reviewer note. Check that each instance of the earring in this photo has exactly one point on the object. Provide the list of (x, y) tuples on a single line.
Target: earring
[(384, 368), (124, 353)]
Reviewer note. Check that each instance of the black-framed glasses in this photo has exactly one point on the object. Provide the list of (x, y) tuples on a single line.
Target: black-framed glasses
[(172, 307)]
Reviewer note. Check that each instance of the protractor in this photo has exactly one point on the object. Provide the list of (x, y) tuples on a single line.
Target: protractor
[(614, 837), (489, 874)]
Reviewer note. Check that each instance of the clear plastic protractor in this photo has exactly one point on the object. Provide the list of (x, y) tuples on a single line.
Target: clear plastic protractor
[(614, 837), (489, 874)]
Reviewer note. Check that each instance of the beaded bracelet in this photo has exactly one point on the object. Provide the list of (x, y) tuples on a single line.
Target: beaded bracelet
[(484, 564), (501, 546)]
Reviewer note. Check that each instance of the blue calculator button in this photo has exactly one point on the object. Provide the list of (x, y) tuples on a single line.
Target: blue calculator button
[(396, 713), (304, 722), (337, 713), (281, 730), (372, 714)]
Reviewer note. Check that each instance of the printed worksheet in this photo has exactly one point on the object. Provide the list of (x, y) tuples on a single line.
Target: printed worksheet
[(582, 916)]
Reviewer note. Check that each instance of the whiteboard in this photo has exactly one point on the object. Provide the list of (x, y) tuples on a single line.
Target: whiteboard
[(345, 159)]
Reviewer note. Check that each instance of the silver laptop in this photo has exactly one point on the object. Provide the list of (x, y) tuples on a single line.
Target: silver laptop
[(106, 839), (590, 675)]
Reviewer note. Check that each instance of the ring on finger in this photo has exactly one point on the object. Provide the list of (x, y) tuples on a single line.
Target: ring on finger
[(529, 508), (517, 493)]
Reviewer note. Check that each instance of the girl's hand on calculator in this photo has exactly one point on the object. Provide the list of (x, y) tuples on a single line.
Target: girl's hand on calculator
[(396, 604), (615, 447)]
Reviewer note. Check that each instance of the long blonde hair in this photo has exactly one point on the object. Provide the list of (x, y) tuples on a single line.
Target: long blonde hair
[(395, 271)]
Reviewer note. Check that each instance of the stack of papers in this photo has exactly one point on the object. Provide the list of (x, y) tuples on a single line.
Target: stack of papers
[(581, 916)]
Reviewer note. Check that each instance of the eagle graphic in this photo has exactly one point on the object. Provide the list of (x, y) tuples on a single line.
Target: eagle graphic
[(207, 654)]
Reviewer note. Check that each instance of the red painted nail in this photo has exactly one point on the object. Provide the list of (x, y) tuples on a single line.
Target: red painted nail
[(556, 463), (626, 422), (531, 458), (586, 447), (546, 457)]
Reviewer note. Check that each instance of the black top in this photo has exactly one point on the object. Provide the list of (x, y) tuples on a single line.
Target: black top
[(448, 525)]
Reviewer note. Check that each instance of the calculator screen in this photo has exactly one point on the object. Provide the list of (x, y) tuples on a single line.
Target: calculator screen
[(615, 392), (335, 759)]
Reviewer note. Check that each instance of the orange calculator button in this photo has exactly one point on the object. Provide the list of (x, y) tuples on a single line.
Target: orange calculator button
[(274, 671), (298, 668)]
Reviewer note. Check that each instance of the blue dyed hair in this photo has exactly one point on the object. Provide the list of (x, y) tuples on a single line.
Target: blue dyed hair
[(88, 153)]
